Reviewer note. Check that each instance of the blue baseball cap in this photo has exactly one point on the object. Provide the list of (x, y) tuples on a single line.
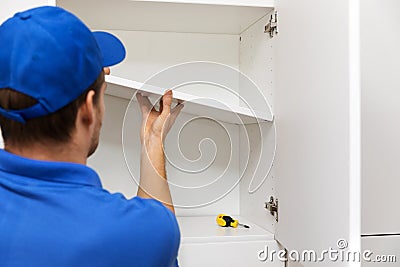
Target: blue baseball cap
[(50, 55)]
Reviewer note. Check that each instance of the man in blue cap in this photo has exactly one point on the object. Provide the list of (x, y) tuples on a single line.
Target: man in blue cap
[(53, 210)]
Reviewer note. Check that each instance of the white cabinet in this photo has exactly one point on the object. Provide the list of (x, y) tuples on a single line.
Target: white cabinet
[(215, 159), (220, 151)]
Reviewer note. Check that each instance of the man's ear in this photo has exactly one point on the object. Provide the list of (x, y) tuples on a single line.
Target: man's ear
[(87, 109)]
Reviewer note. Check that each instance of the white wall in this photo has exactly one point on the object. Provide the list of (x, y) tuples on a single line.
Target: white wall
[(9, 8), (382, 246)]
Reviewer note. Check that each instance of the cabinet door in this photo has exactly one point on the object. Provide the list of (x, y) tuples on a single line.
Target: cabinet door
[(380, 116), (317, 119)]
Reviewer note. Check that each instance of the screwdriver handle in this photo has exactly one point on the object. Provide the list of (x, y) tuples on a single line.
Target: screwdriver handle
[(227, 221)]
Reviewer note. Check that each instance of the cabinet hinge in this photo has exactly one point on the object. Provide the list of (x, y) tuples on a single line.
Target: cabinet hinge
[(272, 26), (272, 207)]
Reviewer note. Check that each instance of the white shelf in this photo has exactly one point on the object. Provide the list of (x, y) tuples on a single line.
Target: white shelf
[(196, 16), (204, 229), (194, 105)]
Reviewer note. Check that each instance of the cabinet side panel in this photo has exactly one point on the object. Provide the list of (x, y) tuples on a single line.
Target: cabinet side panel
[(257, 62), (380, 116), (257, 141)]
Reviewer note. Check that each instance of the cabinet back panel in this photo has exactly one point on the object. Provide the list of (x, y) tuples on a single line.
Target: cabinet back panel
[(201, 153), (149, 53)]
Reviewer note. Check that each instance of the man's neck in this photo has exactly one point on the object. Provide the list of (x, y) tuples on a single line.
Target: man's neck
[(50, 152)]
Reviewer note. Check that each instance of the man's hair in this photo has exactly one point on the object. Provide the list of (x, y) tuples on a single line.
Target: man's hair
[(56, 127)]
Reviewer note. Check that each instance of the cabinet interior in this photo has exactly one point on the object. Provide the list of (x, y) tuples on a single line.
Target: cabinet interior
[(210, 163)]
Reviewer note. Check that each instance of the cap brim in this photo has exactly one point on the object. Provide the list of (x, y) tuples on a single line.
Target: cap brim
[(111, 47)]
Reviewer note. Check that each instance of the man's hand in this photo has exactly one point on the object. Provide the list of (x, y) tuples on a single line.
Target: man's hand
[(156, 124)]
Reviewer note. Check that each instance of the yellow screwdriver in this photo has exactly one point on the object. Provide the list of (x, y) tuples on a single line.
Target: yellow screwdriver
[(227, 221)]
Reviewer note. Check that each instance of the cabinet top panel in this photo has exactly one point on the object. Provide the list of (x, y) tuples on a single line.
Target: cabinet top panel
[(195, 16)]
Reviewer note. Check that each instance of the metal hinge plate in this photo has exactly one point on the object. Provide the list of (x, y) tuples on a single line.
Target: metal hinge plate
[(272, 207), (272, 26)]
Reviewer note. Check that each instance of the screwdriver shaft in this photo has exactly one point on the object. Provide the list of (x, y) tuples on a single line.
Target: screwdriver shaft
[(245, 226)]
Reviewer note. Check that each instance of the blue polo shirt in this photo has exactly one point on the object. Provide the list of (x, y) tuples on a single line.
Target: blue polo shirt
[(58, 214)]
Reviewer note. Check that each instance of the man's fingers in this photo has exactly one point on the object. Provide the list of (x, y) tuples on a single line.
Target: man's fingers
[(144, 102), (166, 104), (177, 109), (141, 102), (174, 114), (161, 105)]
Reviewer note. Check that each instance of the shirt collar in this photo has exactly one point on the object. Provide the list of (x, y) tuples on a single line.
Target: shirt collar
[(64, 172)]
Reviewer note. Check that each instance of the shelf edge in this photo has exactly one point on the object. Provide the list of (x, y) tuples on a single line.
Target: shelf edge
[(243, 3)]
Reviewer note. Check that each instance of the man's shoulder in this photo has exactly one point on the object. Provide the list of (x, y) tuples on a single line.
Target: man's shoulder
[(144, 211), (141, 214), (136, 227)]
